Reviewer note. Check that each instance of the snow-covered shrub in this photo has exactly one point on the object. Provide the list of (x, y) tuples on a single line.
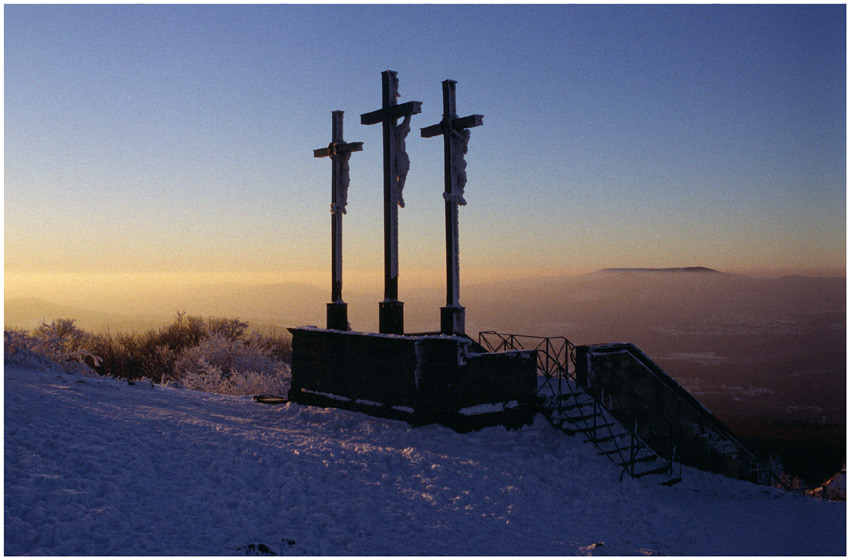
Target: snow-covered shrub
[(184, 332), (19, 348), (229, 328), (232, 366), (212, 380), (61, 342), (153, 354), (212, 354)]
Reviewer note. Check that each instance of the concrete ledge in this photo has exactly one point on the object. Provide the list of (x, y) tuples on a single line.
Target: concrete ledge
[(512, 415), (418, 378)]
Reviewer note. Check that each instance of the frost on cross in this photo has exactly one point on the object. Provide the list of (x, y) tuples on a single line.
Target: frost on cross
[(344, 180), (460, 145), (402, 161)]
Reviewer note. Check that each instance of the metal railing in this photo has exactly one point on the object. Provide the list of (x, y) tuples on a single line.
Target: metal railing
[(555, 356), (661, 434), (556, 360), (647, 428), (656, 433)]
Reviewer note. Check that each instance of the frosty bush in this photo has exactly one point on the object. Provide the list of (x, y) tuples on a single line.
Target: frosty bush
[(61, 342), (212, 380), (214, 354), (232, 366), (154, 353)]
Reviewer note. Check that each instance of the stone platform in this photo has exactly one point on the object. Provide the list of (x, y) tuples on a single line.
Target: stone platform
[(420, 378)]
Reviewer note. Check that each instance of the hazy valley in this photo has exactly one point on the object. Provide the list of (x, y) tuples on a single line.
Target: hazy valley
[(750, 348)]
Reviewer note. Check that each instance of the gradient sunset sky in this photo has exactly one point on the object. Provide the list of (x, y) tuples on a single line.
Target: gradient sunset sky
[(162, 139)]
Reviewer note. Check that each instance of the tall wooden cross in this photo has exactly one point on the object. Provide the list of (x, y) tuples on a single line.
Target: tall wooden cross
[(455, 138), (339, 151), (396, 164)]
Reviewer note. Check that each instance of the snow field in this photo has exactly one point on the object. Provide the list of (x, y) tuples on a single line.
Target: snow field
[(95, 466)]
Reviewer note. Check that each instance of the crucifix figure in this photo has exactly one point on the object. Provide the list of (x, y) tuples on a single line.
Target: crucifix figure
[(455, 140), (339, 151), (396, 165)]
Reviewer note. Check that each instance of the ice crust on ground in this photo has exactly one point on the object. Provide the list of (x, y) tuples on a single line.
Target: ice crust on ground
[(94, 466)]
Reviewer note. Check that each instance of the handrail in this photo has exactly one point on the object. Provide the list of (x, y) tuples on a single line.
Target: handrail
[(553, 364), (555, 355), (670, 457), (670, 383), (555, 367), (630, 349), (557, 361)]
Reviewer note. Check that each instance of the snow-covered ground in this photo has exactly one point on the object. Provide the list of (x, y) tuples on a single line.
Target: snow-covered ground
[(98, 466)]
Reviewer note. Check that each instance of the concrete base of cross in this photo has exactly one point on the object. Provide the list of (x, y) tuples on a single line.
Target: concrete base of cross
[(338, 316), (391, 317), (453, 320)]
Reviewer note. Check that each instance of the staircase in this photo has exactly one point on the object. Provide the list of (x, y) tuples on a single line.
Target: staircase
[(576, 412), (617, 398), (667, 417)]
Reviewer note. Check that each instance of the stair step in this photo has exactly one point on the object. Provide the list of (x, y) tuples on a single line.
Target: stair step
[(589, 429), (577, 419), (658, 470), (575, 405), (608, 438), (568, 431), (642, 459), (579, 402), (570, 395), (619, 450)]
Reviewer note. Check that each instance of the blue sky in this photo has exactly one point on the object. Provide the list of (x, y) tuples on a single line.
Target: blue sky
[(154, 138)]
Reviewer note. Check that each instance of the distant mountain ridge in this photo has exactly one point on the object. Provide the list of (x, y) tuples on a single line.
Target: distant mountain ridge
[(29, 312), (686, 269)]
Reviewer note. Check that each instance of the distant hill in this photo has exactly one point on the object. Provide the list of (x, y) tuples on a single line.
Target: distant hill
[(286, 304), (28, 313), (687, 269)]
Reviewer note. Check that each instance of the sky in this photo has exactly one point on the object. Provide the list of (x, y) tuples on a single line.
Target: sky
[(146, 141)]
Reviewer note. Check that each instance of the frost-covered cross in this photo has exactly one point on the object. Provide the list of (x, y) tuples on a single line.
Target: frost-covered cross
[(455, 132), (396, 165), (339, 151)]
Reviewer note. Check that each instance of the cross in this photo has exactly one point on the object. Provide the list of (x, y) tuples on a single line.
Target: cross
[(455, 139), (339, 151), (396, 165)]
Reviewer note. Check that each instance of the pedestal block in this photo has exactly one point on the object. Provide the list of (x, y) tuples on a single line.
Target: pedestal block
[(338, 316), (453, 320), (391, 317)]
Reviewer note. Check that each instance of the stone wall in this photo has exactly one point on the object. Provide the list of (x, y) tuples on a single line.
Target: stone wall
[(420, 378)]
